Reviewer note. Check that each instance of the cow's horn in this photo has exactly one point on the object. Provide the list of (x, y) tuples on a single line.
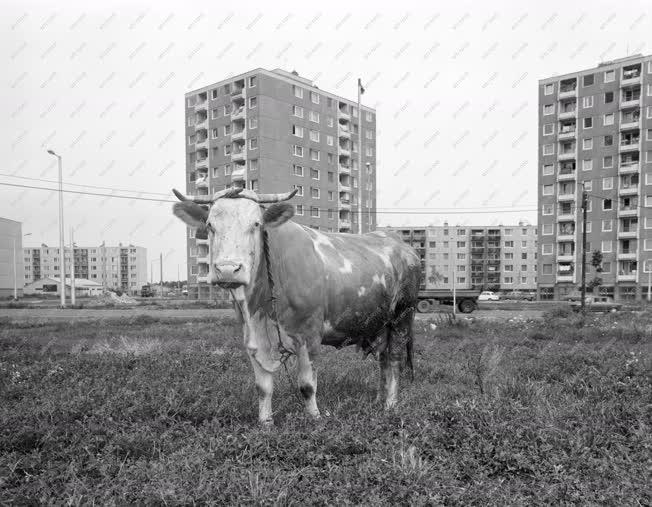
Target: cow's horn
[(195, 199), (227, 193), (263, 198)]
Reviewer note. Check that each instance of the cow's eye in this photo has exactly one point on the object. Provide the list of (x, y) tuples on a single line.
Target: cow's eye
[(256, 224)]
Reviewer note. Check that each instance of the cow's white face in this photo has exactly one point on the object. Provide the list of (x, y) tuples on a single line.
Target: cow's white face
[(234, 227)]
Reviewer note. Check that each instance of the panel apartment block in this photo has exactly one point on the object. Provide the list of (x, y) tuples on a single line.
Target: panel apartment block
[(272, 131), (595, 133), (475, 257), (121, 267)]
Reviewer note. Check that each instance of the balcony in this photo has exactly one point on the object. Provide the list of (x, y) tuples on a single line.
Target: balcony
[(628, 167), (627, 255), (566, 257), (566, 196), (569, 113), (566, 236), (238, 134), (565, 278), (238, 91), (628, 211), (626, 104), (201, 105), (202, 277), (344, 151), (630, 123), (343, 114), (345, 169), (343, 131), (634, 145), (202, 181), (566, 93), (628, 233), (238, 113), (568, 134), (238, 155), (201, 123), (344, 223), (201, 162), (567, 155), (345, 187), (566, 216), (202, 257), (628, 190), (630, 79), (566, 175)]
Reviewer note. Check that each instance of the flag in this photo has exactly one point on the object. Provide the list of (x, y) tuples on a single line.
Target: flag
[(360, 87)]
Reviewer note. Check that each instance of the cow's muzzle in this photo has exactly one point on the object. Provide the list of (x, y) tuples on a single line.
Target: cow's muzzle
[(229, 274)]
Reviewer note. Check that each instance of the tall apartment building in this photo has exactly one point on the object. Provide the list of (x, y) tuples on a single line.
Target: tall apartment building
[(11, 260), (595, 133), (272, 131), (475, 257), (121, 267)]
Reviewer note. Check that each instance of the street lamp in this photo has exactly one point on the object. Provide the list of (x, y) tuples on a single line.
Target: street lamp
[(62, 252), (15, 268)]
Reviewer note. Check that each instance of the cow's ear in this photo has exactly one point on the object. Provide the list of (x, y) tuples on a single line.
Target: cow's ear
[(191, 213), (278, 214)]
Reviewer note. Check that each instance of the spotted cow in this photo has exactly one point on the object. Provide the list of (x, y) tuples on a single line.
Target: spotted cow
[(296, 288)]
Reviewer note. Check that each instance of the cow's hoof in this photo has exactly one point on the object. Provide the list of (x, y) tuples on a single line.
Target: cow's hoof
[(267, 423)]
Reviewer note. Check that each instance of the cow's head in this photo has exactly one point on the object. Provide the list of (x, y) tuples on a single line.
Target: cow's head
[(233, 221)]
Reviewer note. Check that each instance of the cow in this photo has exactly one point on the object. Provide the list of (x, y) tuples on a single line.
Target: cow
[(296, 288)]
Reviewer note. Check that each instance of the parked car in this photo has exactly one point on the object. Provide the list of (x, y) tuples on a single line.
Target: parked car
[(488, 296), (520, 296), (597, 304)]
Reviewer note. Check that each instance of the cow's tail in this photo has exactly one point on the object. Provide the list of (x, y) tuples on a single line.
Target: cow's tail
[(409, 348)]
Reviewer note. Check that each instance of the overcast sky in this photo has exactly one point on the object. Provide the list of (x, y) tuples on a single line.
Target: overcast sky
[(455, 87)]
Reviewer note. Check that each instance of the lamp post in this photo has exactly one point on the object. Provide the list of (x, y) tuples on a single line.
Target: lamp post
[(16, 269), (62, 253)]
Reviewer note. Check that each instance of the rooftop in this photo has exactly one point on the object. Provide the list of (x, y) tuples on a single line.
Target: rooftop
[(606, 65)]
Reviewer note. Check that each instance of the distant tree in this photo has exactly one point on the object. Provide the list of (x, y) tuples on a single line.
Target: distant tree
[(435, 276), (596, 262)]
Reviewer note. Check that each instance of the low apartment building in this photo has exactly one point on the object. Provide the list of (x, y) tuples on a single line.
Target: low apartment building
[(475, 257), (121, 267)]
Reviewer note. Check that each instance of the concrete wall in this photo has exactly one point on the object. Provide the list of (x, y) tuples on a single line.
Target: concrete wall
[(11, 258)]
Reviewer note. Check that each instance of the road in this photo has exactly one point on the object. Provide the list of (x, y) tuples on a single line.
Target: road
[(55, 314)]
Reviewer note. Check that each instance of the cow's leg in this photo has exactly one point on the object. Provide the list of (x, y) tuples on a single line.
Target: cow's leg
[(383, 363), (307, 380), (400, 341), (265, 388)]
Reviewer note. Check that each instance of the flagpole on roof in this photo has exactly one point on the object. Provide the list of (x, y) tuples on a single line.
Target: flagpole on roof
[(360, 92)]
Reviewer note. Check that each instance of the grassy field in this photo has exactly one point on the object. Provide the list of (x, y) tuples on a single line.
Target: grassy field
[(149, 411)]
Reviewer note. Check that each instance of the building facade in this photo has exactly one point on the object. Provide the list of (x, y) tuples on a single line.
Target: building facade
[(121, 267), (475, 257), (272, 131), (11, 259), (595, 135)]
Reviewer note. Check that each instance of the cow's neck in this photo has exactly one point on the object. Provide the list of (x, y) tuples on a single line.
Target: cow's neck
[(257, 295)]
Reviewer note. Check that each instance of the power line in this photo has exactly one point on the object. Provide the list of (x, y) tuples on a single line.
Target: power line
[(389, 211), (81, 185)]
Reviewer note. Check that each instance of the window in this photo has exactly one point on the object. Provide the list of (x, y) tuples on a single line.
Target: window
[(297, 131), (297, 111), (608, 140), (587, 164), (588, 80), (330, 140), (547, 229), (648, 201), (607, 204), (214, 94), (546, 269), (548, 129), (314, 136), (509, 256), (588, 185), (298, 92), (216, 172), (314, 212), (509, 244), (648, 135), (608, 119), (299, 209), (297, 151), (606, 267), (368, 151), (508, 280), (548, 109), (331, 195), (548, 89), (608, 97), (253, 185), (253, 143), (314, 154), (548, 169), (253, 164), (314, 97), (648, 112), (253, 102), (329, 121), (548, 149), (548, 189), (253, 123), (546, 209), (524, 256), (369, 116), (227, 149), (227, 130), (523, 244), (214, 113), (299, 189), (508, 232), (546, 249), (369, 134), (313, 116), (314, 193), (226, 110), (588, 123), (609, 76), (252, 82), (607, 183), (314, 174), (587, 101), (606, 246), (587, 143), (589, 227), (297, 170), (215, 133), (461, 244), (331, 177), (227, 169), (607, 161)]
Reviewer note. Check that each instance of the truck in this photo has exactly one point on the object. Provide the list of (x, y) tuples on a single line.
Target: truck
[(465, 299), (146, 291)]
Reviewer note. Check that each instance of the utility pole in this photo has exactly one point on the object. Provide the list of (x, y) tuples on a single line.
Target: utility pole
[(584, 206), (649, 283), (161, 272), (360, 92), (72, 268), (62, 252)]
